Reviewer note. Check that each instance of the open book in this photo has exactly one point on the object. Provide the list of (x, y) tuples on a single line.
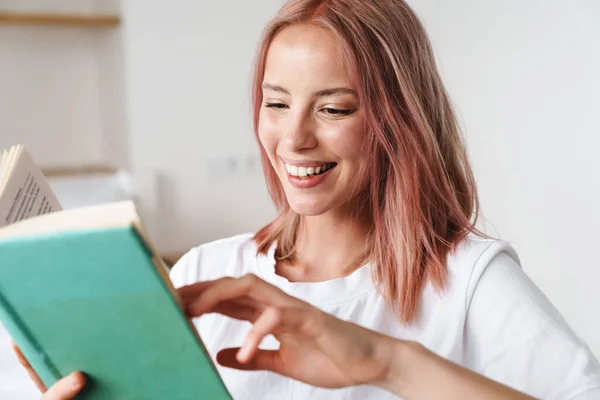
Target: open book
[(83, 289), (24, 191)]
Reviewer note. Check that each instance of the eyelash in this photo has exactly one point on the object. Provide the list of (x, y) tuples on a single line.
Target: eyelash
[(330, 111)]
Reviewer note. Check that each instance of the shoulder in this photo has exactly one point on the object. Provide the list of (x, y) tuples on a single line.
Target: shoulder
[(510, 325), (464, 267), (468, 262), (487, 277), (232, 256), (473, 254)]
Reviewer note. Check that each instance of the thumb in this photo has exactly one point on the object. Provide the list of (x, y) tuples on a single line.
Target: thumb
[(66, 388), (263, 360)]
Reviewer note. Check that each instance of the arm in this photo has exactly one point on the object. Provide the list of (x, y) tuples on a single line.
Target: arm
[(417, 373), (321, 350)]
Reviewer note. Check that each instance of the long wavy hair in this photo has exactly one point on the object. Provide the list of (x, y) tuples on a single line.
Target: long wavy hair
[(421, 197)]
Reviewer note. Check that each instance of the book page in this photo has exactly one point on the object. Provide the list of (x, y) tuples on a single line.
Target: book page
[(26, 192), (6, 157)]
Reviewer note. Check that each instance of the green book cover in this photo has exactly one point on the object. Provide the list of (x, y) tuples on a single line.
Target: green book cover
[(80, 290)]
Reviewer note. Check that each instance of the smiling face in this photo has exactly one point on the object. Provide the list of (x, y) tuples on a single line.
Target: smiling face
[(311, 124)]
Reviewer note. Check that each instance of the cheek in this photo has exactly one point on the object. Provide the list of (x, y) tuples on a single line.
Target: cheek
[(267, 133), (348, 142), (350, 146)]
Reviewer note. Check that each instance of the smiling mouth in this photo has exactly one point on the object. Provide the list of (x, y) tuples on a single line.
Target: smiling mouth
[(306, 172)]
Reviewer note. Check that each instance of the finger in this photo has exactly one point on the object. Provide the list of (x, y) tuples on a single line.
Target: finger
[(242, 308), (197, 288), (66, 388), (249, 285), (20, 355), (243, 303), (190, 293), (265, 324), (267, 360), (238, 311), (32, 374)]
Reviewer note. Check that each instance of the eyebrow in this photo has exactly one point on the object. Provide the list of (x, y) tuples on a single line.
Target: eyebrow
[(324, 92)]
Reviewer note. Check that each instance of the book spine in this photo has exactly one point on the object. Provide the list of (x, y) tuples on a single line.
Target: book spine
[(27, 344)]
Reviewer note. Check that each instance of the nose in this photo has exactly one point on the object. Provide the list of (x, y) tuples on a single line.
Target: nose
[(300, 133)]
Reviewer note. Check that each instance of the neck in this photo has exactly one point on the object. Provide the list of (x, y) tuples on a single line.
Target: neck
[(328, 246)]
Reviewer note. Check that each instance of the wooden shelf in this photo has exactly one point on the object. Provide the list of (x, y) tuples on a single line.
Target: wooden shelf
[(81, 20), (91, 169)]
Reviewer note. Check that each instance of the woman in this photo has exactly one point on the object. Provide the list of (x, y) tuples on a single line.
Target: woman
[(377, 205)]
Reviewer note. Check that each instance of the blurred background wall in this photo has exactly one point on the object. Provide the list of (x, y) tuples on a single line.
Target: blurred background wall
[(164, 94)]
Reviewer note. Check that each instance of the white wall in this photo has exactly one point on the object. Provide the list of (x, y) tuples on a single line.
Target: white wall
[(44, 102), (60, 86), (187, 73), (524, 76)]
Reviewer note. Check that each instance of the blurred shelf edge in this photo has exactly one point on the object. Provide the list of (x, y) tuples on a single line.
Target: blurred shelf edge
[(81, 20), (58, 171)]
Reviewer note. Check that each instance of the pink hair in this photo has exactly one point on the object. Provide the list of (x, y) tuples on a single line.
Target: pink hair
[(422, 197)]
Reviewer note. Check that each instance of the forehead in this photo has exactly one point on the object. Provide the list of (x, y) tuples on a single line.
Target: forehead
[(306, 55)]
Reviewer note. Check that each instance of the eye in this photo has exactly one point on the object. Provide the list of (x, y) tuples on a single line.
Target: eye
[(336, 112), (278, 106)]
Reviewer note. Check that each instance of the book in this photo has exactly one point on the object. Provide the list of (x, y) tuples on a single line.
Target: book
[(84, 289)]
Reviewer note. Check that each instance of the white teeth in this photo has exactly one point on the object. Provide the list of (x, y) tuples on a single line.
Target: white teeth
[(303, 172)]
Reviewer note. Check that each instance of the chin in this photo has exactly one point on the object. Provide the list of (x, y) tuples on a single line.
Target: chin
[(310, 208)]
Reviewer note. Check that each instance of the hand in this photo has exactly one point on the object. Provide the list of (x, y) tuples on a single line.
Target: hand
[(64, 389), (315, 348)]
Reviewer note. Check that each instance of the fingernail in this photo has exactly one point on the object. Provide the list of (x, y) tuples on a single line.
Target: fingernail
[(242, 354)]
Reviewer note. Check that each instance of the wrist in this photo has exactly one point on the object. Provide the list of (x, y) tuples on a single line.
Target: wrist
[(399, 355)]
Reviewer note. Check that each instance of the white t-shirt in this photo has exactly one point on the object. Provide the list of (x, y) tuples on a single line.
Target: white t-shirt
[(491, 318)]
